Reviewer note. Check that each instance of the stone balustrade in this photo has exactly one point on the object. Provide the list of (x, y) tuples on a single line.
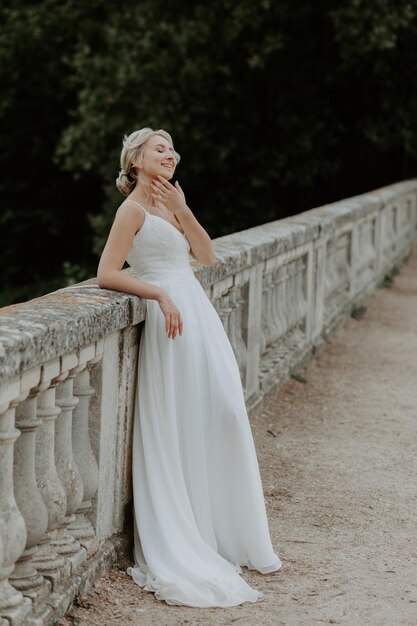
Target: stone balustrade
[(68, 364)]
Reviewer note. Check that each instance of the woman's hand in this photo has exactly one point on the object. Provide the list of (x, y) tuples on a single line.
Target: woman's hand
[(173, 321), (171, 196)]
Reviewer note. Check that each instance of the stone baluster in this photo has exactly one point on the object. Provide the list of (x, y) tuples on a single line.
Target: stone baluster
[(66, 467), (294, 299), (366, 249), (378, 245), (333, 270), (362, 261), (285, 297), (372, 241), (278, 303), (300, 295), (274, 323), (343, 265), (29, 500), (216, 301), (353, 253), (293, 289), (266, 332), (330, 275), (278, 308), (359, 234), (392, 231), (270, 323), (231, 317), (291, 282), (224, 312), (327, 276), (385, 229), (46, 560), (297, 306), (81, 528), (253, 326), (335, 273), (389, 236), (12, 524), (263, 303), (236, 329)]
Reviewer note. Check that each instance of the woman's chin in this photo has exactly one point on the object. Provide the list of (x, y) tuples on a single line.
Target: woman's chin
[(167, 173)]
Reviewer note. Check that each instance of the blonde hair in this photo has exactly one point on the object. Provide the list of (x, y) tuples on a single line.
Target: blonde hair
[(132, 153)]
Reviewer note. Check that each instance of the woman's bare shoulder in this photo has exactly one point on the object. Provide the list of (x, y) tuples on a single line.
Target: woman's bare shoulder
[(130, 216)]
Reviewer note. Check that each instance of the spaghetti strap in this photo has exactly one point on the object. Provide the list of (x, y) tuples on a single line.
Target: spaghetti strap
[(142, 207)]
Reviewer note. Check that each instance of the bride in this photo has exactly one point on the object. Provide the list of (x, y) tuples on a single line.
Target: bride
[(199, 508)]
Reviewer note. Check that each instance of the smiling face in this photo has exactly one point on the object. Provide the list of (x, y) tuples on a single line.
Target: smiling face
[(158, 158)]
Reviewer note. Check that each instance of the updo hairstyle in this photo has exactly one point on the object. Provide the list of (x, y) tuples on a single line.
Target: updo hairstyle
[(131, 155)]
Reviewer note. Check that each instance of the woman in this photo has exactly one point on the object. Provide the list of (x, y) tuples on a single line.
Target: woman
[(199, 510)]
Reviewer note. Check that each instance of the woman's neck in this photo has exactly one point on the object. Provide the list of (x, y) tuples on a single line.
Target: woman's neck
[(140, 194)]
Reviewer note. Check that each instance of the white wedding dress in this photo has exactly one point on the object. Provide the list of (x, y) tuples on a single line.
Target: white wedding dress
[(199, 508)]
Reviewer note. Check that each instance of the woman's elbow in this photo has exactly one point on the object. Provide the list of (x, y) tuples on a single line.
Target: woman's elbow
[(204, 260), (103, 280)]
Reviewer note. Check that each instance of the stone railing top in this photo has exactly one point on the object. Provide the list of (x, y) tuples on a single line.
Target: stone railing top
[(44, 328)]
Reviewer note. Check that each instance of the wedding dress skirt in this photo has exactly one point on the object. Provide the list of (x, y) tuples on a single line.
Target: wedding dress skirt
[(199, 508)]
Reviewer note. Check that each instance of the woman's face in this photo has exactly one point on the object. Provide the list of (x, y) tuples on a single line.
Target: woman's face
[(158, 158)]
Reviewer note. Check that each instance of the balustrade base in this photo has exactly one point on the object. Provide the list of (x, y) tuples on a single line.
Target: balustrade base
[(90, 545), (280, 358), (54, 574), (77, 559), (278, 375), (67, 546), (59, 601), (39, 596), (82, 529), (25, 577), (18, 615), (30, 583)]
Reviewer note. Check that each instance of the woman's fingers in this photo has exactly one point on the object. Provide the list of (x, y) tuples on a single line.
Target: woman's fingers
[(158, 191), (164, 182), (163, 186), (173, 325)]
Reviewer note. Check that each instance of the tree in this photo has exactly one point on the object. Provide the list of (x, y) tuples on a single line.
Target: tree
[(273, 110)]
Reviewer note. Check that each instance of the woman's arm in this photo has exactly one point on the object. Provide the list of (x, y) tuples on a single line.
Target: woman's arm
[(174, 199), (200, 242), (109, 273)]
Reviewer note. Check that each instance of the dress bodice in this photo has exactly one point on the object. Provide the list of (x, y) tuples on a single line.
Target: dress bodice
[(159, 251)]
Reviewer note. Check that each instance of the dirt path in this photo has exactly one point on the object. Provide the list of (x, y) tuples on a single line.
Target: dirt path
[(340, 478)]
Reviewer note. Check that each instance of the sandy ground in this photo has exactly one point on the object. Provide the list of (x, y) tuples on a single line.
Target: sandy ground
[(338, 459)]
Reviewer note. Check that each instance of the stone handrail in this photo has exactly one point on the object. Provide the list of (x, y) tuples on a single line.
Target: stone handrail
[(68, 370)]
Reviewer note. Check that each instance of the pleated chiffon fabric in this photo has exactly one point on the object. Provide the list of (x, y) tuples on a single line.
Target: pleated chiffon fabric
[(199, 508)]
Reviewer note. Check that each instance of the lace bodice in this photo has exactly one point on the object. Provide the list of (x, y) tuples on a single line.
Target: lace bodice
[(159, 251)]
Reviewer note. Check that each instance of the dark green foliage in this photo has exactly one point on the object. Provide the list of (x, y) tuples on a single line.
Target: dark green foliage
[(274, 109)]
